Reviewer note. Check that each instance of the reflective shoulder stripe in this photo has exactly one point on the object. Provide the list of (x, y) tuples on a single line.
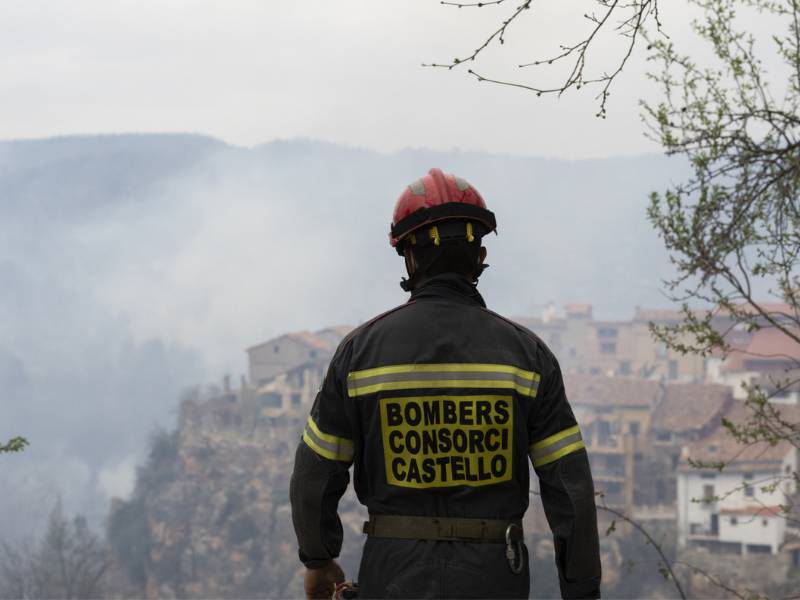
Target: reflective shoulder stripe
[(326, 445), (442, 375), (556, 446)]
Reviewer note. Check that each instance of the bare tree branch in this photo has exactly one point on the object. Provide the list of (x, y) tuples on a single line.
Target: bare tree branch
[(635, 15)]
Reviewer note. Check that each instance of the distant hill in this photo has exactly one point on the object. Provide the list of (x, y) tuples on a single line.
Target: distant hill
[(134, 265)]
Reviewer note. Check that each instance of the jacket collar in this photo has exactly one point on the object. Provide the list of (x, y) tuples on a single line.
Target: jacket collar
[(450, 286)]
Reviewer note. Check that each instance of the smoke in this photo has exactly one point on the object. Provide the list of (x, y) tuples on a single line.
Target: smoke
[(132, 267)]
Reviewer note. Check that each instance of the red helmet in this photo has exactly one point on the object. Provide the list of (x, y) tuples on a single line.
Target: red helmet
[(438, 197)]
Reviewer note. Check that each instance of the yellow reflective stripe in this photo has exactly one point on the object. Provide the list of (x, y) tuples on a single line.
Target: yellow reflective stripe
[(326, 437), (445, 367), (558, 453), (443, 383), (324, 452), (548, 441)]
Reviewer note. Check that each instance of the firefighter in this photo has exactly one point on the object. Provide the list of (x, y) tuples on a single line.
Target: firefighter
[(439, 404)]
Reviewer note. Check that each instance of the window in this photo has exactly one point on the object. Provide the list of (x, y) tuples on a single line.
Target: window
[(634, 428), (764, 522), (607, 332), (707, 476), (295, 399), (664, 436), (608, 347), (312, 354), (661, 490), (276, 349), (748, 491), (708, 493), (759, 549), (271, 400), (615, 464), (625, 367), (734, 521), (673, 369)]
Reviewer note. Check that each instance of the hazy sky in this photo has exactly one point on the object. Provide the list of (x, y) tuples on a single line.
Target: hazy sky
[(347, 71)]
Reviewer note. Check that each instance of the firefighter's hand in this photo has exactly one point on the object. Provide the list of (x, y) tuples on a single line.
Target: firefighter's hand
[(319, 584)]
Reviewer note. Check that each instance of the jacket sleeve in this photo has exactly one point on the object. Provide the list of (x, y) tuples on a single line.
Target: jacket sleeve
[(320, 476), (565, 480)]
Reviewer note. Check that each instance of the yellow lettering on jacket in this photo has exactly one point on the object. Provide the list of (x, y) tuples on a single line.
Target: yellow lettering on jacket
[(443, 441)]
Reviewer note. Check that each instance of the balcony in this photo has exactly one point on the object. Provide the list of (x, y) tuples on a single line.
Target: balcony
[(701, 531)]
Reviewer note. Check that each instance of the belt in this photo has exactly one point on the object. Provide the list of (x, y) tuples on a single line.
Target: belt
[(443, 528)]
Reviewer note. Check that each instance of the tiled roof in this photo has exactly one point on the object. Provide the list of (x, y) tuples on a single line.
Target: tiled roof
[(754, 511), (775, 342), (691, 406), (340, 330), (578, 308), (765, 345), (309, 339), (596, 390), (657, 315), (776, 309), (720, 445), (305, 338)]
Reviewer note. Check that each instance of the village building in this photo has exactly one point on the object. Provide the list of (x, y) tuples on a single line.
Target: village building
[(614, 348), (766, 357), (741, 507), (685, 412), (614, 414), (291, 350)]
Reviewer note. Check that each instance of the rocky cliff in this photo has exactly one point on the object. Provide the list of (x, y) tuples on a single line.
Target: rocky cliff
[(210, 514)]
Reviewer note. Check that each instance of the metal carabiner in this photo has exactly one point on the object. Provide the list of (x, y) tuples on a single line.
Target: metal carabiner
[(514, 552)]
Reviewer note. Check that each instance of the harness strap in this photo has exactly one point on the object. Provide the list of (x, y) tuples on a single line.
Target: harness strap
[(441, 528)]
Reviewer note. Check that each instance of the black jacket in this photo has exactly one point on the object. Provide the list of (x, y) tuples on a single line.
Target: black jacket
[(439, 404)]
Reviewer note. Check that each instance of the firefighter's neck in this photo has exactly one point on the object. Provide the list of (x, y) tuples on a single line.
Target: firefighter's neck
[(412, 266)]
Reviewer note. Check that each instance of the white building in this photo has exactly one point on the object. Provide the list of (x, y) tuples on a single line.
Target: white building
[(736, 510)]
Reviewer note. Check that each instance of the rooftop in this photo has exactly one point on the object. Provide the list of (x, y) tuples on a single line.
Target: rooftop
[(720, 445), (619, 392), (773, 309), (754, 511), (691, 406), (657, 314), (340, 330), (578, 309), (765, 345), (305, 338)]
